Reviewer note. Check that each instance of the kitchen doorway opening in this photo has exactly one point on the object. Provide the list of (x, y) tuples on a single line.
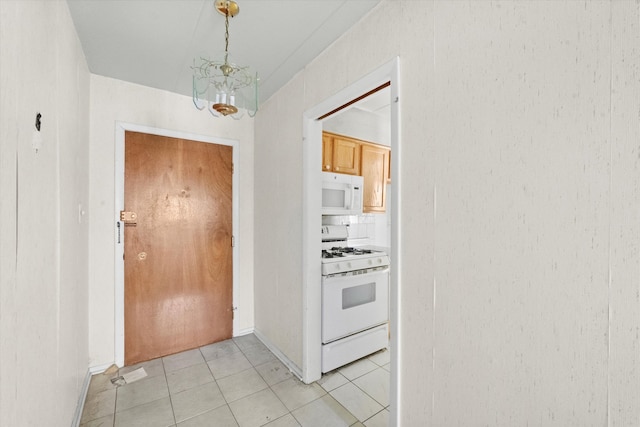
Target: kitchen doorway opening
[(384, 78)]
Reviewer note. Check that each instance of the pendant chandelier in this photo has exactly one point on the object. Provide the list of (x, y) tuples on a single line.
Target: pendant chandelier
[(220, 85)]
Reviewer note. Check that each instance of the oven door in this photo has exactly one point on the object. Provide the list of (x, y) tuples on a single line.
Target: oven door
[(353, 303)]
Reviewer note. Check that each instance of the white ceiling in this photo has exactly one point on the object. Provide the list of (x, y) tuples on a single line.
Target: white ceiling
[(154, 42)]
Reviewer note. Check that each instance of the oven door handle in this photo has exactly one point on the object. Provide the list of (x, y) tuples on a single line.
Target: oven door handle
[(350, 274)]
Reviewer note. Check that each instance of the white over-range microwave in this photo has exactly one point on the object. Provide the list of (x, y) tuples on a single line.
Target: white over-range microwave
[(341, 194)]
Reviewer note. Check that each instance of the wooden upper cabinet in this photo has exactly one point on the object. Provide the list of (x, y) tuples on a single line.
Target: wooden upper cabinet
[(389, 167), (346, 156), (327, 152), (343, 154), (375, 170), (340, 154)]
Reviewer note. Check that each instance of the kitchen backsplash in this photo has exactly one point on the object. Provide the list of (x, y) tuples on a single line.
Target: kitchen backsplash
[(365, 229)]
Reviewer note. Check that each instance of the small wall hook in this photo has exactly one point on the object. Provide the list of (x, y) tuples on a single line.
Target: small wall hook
[(38, 122)]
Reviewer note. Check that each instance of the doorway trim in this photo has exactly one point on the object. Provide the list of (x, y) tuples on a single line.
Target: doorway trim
[(312, 221), (121, 128)]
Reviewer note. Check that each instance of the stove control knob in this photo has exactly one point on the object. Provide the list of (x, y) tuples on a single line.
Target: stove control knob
[(337, 266), (348, 265), (370, 262)]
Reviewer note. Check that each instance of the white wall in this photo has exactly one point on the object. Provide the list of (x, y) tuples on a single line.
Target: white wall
[(360, 124), (520, 295), (624, 232), (112, 101), (43, 242), (278, 220)]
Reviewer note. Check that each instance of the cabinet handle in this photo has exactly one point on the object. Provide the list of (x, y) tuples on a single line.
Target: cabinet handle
[(327, 167), (337, 169)]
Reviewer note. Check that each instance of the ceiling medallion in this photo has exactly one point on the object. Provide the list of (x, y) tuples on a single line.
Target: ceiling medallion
[(220, 85)]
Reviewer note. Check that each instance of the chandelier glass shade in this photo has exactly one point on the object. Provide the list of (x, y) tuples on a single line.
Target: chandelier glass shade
[(219, 84)]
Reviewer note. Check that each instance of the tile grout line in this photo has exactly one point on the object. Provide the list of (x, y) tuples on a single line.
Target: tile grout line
[(166, 381), (270, 387), (217, 385)]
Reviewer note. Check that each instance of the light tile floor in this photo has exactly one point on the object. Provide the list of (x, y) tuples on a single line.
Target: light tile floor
[(239, 382)]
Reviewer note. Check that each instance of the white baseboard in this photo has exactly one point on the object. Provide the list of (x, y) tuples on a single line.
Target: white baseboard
[(241, 332), (83, 397), (295, 370), (99, 368), (93, 370)]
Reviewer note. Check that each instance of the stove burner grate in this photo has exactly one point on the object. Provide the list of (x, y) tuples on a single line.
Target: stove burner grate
[(331, 254), (337, 252)]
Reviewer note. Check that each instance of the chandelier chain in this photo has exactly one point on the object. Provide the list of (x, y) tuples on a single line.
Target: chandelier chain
[(226, 37)]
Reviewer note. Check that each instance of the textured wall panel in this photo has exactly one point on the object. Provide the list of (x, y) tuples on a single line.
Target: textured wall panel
[(518, 164), (43, 293), (624, 292), (523, 218)]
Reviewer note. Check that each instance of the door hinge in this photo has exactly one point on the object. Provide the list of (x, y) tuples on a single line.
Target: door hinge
[(233, 312), (233, 168), (233, 241)]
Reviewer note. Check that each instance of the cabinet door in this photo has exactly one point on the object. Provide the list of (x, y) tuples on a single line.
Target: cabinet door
[(389, 166), (327, 152), (346, 156), (375, 161)]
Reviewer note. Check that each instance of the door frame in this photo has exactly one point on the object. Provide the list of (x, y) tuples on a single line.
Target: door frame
[(311, 224), (121, 128)]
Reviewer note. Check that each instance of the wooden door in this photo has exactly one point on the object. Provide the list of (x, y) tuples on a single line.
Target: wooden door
[(178, 255), (374, 171)]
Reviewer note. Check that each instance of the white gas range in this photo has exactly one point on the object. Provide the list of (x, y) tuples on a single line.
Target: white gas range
[(355, 299)]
